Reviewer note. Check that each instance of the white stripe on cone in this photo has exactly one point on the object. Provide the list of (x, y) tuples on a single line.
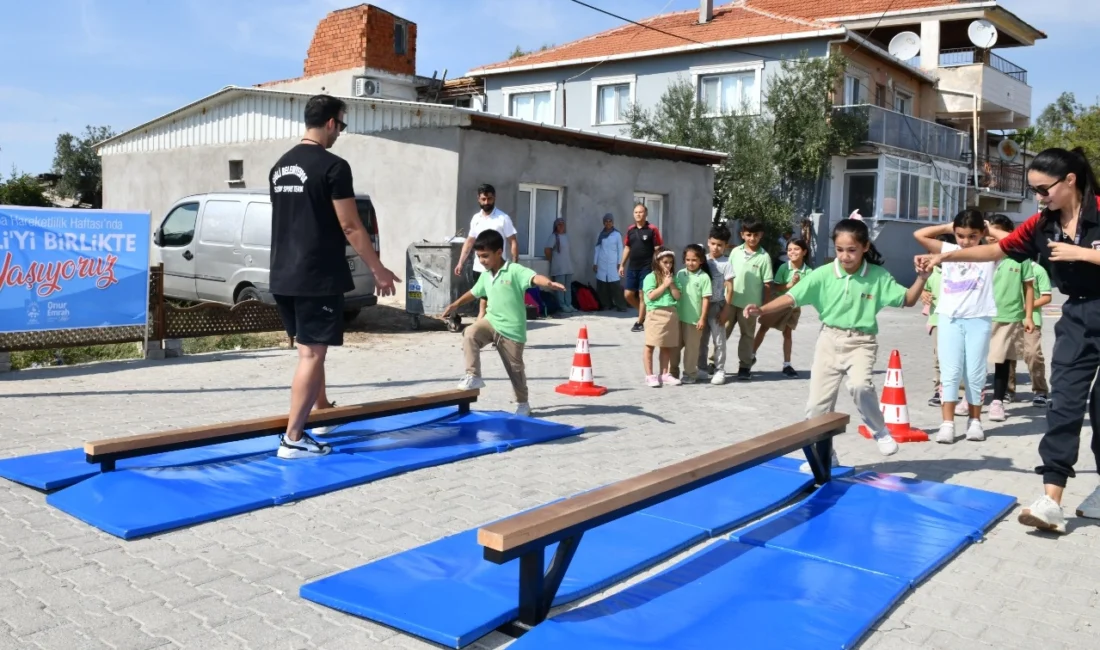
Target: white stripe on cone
[(581, 375), (582, 346), (893, 379), (895, 414)]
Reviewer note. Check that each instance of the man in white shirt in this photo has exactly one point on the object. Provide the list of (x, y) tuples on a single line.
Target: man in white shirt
[(489, 218)]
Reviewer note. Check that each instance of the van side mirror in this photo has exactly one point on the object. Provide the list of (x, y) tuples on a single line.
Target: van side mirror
[(158, 237)]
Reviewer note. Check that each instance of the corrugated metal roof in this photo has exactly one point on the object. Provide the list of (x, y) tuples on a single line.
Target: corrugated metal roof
[(237, 115)]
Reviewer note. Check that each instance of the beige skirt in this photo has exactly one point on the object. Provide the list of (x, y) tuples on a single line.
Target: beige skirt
[(662, 328), (783, 320), (1006, 341)]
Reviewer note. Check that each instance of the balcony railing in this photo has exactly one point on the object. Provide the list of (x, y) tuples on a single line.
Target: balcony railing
[(973, 55), (893, 129), (999, 176)]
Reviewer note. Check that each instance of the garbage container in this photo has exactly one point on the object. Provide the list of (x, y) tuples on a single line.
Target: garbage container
[(432, 283)]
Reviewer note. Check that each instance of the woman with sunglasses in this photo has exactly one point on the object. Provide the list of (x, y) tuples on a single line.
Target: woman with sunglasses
[(1065, 239)]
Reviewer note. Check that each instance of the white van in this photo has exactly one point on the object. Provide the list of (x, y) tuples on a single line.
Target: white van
[(216, 248)]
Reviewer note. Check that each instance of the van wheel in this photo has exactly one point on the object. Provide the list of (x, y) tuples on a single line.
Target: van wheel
[(351, 314), (248, 293)]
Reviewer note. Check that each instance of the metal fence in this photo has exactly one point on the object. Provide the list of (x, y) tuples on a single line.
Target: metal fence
[(909, 133), (971, 55)]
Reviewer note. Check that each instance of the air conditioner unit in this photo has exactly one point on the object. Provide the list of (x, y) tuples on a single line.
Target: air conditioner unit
[(365, 87)]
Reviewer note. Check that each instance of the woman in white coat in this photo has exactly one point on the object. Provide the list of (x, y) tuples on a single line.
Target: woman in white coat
[(609, 252)]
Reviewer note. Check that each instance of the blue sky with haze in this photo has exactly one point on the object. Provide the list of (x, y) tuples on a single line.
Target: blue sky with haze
[(122, 62)]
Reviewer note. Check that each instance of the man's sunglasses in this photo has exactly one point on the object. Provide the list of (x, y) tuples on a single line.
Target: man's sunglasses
[(1044, 190), (341, 125)]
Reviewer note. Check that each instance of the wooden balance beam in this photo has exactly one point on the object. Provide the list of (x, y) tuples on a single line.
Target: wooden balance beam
[(106, 452), (526, 536)]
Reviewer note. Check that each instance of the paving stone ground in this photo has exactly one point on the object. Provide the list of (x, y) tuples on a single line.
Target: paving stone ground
[(233, 583)]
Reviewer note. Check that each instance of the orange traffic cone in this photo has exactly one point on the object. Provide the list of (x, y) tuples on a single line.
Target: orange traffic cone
[(895, 408), (581, 382)]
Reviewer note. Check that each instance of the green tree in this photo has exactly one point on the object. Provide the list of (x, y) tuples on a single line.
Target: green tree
[(519, 51), (23, 190), (79, 165), (1068, 124)]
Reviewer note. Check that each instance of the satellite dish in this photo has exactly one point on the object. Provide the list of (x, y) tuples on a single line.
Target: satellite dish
[(905, 45), (1008, 150), (982, 33)]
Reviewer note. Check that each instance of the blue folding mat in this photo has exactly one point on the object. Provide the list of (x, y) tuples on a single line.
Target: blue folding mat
[(57, 469), (445, 592), (140, 501), (774, 592)]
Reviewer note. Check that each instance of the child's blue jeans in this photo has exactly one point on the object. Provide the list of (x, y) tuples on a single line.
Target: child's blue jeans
[(963, 348)]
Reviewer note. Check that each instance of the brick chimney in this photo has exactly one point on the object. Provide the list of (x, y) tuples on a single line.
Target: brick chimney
[(362, 37), (706, 11)]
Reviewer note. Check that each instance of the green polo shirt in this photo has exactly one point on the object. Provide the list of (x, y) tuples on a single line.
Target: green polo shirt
[(933, 286), (504, 293), (785, 273), (1041, 279), (751, 271), (1008, 290), (695, 287), (666, 299), (849, 301)]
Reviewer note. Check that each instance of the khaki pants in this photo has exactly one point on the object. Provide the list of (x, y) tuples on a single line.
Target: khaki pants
[(481, 333), (748, 335), (1036, 364), (841, 353), (688, 354)]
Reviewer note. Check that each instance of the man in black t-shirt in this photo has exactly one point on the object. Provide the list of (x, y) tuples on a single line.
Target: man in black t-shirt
[(313, 216), (641, 241)]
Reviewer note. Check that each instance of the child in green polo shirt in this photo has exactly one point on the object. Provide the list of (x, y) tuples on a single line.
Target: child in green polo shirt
[(1037, 295), (752, 276), (503, 286), (696, 288), (787, 275), (661, 291), (1008, 324), (848, 295)]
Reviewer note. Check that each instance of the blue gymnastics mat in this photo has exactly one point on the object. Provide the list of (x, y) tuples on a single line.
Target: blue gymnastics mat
[(134, 502), (445, 592), (872, 523), (729, 595), (57, 469)]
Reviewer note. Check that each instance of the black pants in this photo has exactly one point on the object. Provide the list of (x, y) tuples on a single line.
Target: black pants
[(1073, 385)]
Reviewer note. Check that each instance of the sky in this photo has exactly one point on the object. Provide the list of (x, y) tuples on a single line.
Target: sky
[(119, 63)]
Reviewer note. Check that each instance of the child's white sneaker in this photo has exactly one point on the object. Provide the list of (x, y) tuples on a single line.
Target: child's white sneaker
[(887, 446), (1090, 507), (652, 381), (471, 382), (719, 378), (1044, 514), (523, 409), (946, 434), (305, 447), (974, 430), (670, 380)]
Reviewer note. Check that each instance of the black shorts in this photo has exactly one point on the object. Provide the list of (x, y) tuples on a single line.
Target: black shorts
[(313, 320), (634, 278)]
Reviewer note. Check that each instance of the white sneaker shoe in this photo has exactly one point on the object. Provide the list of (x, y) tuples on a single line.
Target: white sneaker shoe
[(306, 447), (1044, 514), (321, 431), (834, 461), (887, 446), (523, 409), (974, 430), (1090, 507), (718, 379), (946, 434), (470, 382)]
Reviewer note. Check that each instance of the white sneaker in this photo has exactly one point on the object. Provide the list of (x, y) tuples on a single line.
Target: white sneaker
[(887, 446), (321, 431), (470, 382), (523, 409), (1090, 507), (1044, 514), (946, 434), (974, 430), (833, 460), (306, 447), (719, 378)]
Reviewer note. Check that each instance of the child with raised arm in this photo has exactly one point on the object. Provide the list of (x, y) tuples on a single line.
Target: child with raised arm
[(503, 286), (721, 300), (787, 275), (662, 326), (848, 295)]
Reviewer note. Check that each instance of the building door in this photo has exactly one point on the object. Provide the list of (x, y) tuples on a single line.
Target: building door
[(859, 194)]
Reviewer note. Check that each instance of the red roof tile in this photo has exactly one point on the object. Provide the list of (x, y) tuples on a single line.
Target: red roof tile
[(837, 8), (731, 22)]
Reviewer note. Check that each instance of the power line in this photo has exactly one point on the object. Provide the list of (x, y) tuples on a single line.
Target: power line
[(634, 22)]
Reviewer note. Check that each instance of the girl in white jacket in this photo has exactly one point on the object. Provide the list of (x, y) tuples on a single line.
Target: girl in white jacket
[(605, 263)]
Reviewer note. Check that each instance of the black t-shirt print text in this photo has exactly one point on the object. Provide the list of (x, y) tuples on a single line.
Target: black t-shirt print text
[(307, 242)]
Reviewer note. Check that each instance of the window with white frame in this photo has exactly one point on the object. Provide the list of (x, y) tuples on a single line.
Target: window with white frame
[(537, 206), (903, 102), (532, 103), (655, 207), (611, 96), (853, 90), (920, 191), (729, 90)]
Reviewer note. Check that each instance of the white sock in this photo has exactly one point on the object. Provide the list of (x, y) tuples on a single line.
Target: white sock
[(786, 364)]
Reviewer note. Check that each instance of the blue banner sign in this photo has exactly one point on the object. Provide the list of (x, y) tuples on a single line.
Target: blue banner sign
[(71, 269)]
